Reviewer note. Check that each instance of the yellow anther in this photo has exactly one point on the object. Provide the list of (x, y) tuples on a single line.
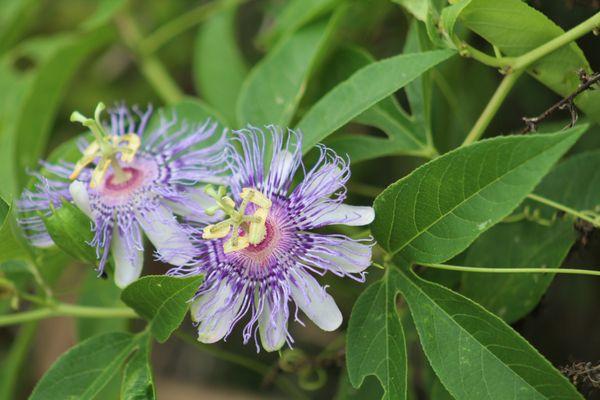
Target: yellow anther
[(252, 225), (105, 148)]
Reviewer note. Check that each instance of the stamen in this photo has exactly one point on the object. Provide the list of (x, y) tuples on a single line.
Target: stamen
[(254, 226), (106, 147)]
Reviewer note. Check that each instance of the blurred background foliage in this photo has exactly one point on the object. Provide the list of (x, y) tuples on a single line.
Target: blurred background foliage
[(57, 56)]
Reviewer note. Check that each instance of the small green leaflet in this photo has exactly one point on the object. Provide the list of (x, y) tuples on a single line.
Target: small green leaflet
[(375, 340), (70, 229), (10, 244), (473, 352), (162, 300), (440, 208)]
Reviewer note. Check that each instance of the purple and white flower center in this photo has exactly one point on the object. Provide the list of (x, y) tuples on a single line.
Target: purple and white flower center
[(141, 172)]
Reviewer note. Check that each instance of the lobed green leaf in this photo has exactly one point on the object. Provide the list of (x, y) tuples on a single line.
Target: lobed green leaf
[(375, 340)]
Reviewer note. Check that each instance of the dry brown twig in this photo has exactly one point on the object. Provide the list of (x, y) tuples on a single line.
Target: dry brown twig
[(587, 83)]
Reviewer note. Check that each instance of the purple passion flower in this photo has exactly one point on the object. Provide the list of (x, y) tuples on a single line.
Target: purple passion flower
[(131, 181), (262, 256)]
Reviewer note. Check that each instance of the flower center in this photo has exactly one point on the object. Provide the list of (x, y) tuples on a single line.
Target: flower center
[(105, 148), (132, 175), (243, 229)]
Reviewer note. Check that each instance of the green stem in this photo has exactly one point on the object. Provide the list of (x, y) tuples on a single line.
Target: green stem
[(66, 310), (12, 374), (491, 108), (178, 25), (249, 363), (564, 208), (504, 63), (151, 67), (575, 33), (540, 270)]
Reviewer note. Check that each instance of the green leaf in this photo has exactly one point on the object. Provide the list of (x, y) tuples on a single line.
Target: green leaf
[(520, 244), (363, 89), (405, 135), (70, 229), (440, 208), (98, 292), (370, 389), (473, 352), (16, 15), (375, 340), (11, 246), (85, 369), (162, 300), (219, 68), (138, 383), (575, 182), (274, 87), (30, 97), (516, 28), (293, 16)]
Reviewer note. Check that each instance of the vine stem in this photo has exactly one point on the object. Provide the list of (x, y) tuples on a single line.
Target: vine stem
[(66, 310), (540, 270), (564, 208), (492, 107), (575, 33), (514, 67), (152, 69)]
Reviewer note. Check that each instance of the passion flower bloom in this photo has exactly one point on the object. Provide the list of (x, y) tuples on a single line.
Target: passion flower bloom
[(262, 256), (130, 180)]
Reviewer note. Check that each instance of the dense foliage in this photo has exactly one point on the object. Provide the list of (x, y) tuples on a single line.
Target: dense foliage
[(470, 126)]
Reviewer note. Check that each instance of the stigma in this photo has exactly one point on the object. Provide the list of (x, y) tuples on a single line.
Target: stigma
[(105, 148), (245, 229)]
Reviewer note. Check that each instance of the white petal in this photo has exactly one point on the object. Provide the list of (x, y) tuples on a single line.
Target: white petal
[(316, 303), (272, 325), (128, 260), (346, 215), (167, 236), (81, 197), (344, 254), (214, 320)]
